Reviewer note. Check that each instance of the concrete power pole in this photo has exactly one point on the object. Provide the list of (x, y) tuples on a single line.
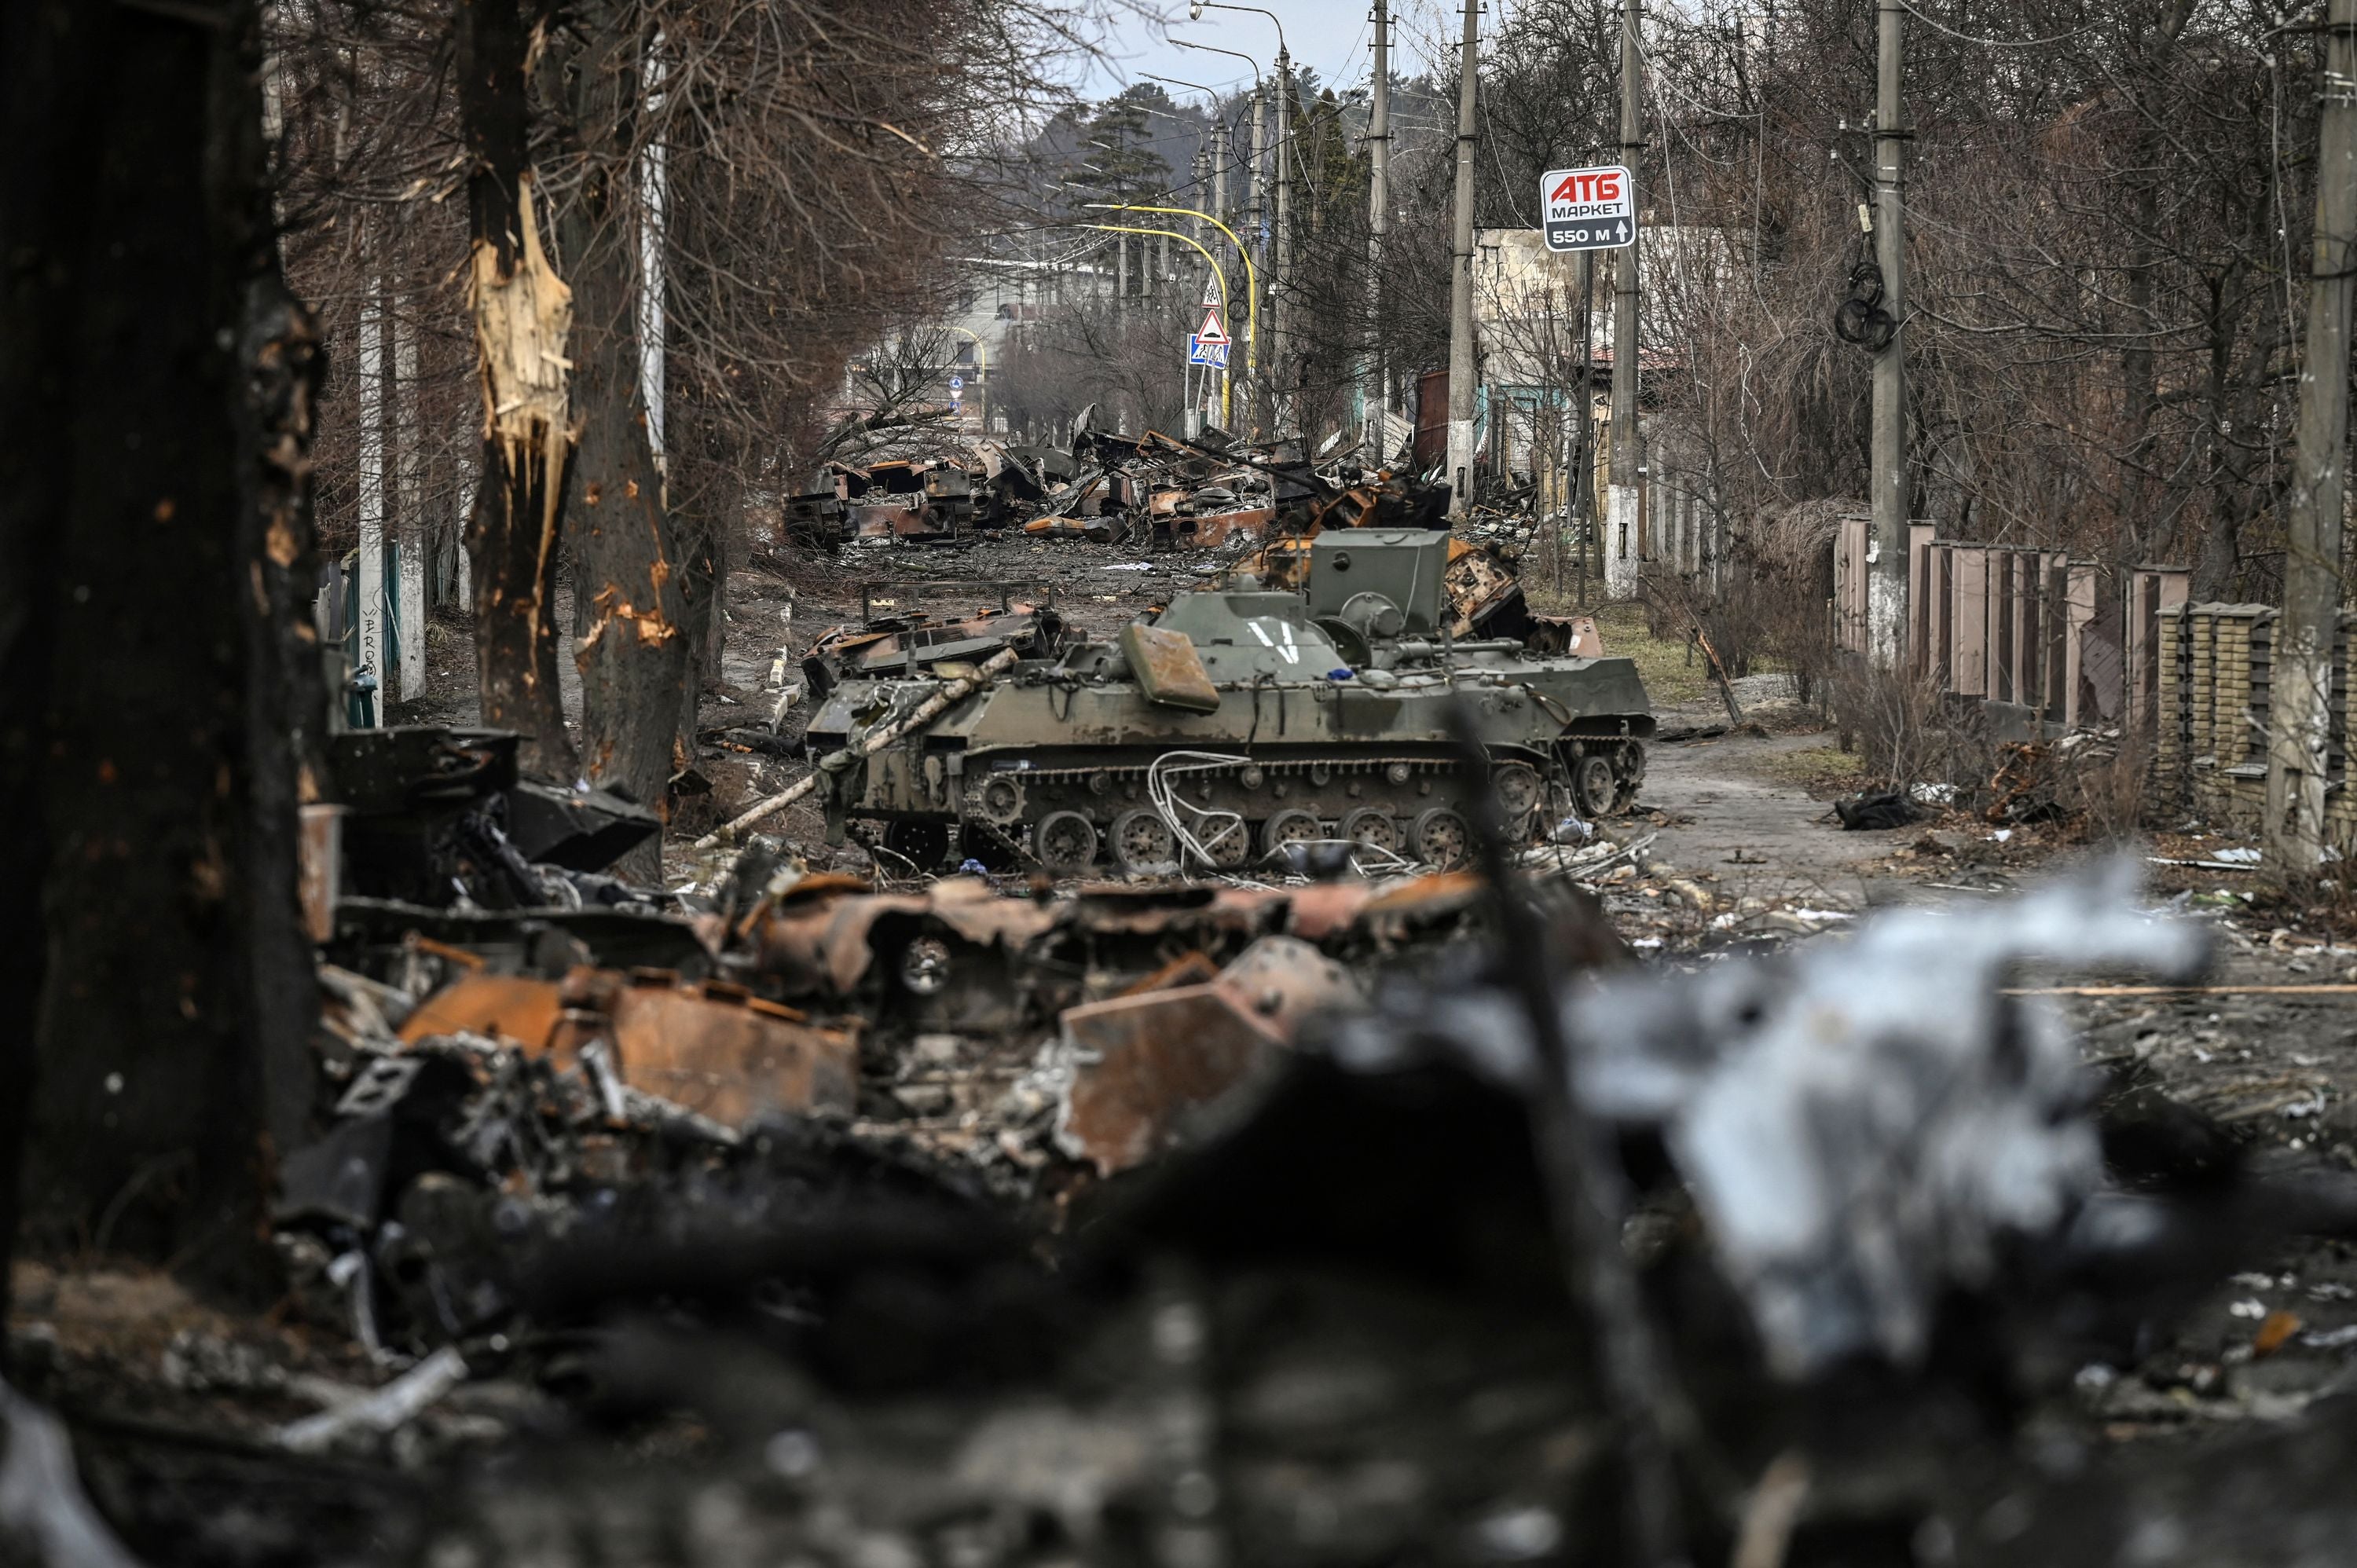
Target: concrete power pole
[(2300, 715), (370, 653), (1886, 602), (1254, 180), (1460, 280), (1280, 289), (1623, 498), (408, 510), (1375, 397)]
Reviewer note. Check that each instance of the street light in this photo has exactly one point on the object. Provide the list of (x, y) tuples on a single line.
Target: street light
[(1227, 405), (1232, 54), (1196, 8), (1251, 280)]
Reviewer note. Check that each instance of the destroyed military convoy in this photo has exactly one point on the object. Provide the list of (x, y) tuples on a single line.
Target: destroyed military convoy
[(1297, 698), (1243, 723)]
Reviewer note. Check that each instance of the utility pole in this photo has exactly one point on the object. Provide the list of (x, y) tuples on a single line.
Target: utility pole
[(1254, 180), (1886, 602), (1282, 283), (1219, 133), (1583, 480), (1460, 280), (369, 654), (1375, 397), (2300, 716), (1624, 500)]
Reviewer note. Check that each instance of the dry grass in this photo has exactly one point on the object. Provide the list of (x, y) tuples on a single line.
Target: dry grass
[(1815, 767), (1669, 678)]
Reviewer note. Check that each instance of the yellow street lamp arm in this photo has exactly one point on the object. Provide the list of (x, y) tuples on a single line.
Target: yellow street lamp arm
[(1252, 282), (1227, 408)]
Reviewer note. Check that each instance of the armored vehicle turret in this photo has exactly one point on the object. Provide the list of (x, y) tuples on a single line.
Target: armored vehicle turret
[(1242, 721)]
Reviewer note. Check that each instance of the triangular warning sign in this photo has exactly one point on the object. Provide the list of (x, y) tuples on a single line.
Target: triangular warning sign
[(1211, 333)]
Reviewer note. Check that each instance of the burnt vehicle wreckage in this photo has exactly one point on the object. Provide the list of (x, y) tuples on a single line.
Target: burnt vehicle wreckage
[(1241, 724), (1330, 1222)]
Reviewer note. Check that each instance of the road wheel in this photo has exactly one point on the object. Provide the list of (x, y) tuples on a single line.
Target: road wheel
[(998, 800), (1593, 787), (1442, 839), (1632, 778), (1143, 843), (1289, 827), (1374, 827), (1066, 842), (1227, 839), (1519, 792)]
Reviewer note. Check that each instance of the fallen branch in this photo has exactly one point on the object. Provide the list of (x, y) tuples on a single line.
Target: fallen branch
[(1718, 672), (957, 691)]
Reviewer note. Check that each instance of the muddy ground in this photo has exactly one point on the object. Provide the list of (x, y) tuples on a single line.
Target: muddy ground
[(173, 1401)]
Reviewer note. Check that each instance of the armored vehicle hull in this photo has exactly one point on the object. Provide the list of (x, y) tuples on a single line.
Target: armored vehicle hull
[(1243, 723)]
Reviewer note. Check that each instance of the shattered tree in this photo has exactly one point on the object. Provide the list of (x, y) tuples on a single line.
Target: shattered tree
[(162, 680), (522, 313), (627, 608)]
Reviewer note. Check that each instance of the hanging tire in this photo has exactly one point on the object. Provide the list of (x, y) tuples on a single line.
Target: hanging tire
[(1441, 838), (1066, 842), (1289, 827), (924, 843), (1372, 827), (1595, 789), (1143, 844)]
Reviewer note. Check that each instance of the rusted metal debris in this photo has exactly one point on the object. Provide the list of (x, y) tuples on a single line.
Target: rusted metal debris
[(1104, 488), (897, 636), (1143, 1063), (709, 1047)]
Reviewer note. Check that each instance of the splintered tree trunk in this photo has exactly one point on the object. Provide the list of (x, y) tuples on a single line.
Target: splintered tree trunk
[(160, 676), (523, 315), (627, 608)]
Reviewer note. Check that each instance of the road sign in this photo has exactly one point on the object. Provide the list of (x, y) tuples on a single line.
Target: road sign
[(1200, 352), (1588, 209), (957, 383), (1211, 332), (1212, 289)]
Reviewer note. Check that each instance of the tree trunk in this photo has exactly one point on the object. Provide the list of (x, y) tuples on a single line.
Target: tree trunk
[(628, 607), (162, 680), (522, 315)]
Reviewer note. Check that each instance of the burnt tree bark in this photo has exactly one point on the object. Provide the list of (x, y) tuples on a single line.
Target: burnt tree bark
[(522, 313), (162, 685), (628, 606)]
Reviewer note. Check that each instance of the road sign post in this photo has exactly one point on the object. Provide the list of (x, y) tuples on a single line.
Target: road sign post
[(1211, 342), (1588, 209)]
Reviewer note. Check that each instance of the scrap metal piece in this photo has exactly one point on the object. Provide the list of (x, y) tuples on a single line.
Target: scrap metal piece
[(1169, 670), (1145, 1063), (578, 829), (712, 1050)]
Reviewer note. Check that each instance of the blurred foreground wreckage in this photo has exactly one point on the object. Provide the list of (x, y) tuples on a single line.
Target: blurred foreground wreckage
[(1243, 725), (1863, 1186)]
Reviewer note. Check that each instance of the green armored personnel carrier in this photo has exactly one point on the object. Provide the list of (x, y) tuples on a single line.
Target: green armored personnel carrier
[(1239, 723)]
